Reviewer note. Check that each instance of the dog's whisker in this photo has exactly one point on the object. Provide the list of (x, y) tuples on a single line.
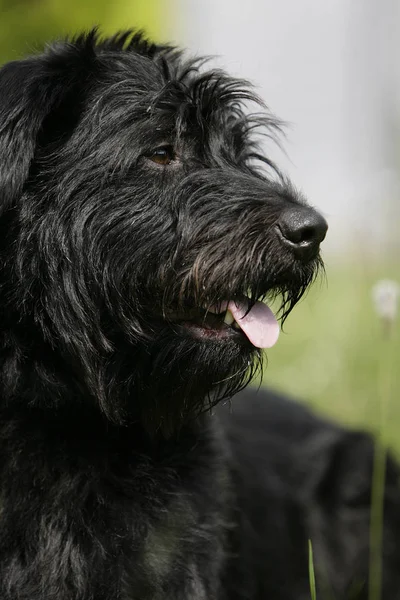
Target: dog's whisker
[(238, 372)]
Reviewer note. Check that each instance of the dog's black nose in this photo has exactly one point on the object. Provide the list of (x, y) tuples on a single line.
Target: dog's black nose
[(303, 229)]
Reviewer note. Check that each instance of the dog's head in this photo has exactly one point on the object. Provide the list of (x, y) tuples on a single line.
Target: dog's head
[(141, 226)]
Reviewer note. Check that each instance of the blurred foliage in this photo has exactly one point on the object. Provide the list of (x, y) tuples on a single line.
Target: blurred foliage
[(336, 355), (26, 25)]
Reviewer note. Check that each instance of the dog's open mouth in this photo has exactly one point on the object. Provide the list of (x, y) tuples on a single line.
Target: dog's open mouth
[(254, 321)]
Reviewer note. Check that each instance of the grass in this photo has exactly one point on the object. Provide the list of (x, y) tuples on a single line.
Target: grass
[(311, 574), (334, 354)]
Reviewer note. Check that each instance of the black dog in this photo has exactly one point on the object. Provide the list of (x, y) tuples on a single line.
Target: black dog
[(141, 226)]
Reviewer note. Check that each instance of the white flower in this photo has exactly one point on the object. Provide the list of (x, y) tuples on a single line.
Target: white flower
[(386, 294)]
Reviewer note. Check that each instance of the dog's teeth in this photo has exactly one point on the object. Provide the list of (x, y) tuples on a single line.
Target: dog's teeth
[(229, 319)]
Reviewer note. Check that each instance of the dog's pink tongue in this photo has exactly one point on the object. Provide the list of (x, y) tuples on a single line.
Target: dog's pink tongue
[(259, 324)]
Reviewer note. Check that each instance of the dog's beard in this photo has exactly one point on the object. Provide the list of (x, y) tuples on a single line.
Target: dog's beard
[(174, 373), (177, 378)]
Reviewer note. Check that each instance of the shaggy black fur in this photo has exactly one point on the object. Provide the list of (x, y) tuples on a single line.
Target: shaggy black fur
[(298, 478), (133, 198)]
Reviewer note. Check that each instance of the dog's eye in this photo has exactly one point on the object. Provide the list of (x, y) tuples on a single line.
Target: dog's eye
[(164, 155)]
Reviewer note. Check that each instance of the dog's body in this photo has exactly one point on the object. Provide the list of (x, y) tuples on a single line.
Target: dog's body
[(138, 235), (301, 478)]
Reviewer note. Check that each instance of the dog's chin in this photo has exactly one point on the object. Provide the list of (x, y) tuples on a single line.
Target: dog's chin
[(187, 370), (203, 351)]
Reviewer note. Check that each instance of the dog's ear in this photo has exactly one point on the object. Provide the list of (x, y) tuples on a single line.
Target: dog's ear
[(31, 91)]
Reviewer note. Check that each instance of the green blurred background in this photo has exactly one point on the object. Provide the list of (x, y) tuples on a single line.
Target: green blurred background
[(334, 353), (26, 25)]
